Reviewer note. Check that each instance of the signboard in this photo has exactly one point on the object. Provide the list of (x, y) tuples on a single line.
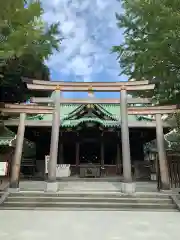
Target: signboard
[(46, 163), (3, 168), (62, 170)]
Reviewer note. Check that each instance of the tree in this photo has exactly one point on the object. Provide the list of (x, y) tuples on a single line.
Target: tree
[(151, 46), (13, 89), (23, 32), (26, 41)]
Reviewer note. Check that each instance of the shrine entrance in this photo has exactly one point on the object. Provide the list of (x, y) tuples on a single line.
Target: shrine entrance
[(90, 152)]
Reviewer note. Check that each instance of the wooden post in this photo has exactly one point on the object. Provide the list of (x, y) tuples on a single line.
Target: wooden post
[(54, 140), (77, 154), (118, 157), (118, 160), (16, 164), (61, 151), (102, 153), (162, 153)]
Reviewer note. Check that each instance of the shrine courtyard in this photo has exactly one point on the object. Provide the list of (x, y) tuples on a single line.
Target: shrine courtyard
[(45, 225)]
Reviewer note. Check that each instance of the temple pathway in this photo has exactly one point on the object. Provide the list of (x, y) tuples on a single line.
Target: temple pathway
[(41, 225)]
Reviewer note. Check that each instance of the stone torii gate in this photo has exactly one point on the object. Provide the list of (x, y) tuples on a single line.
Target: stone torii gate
[(23, 110), (128, 185), (122, 87)]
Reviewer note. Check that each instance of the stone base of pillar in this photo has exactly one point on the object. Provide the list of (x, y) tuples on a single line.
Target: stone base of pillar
[(51, 187), (167, 191), (165, 186), (128, 188), (13, 190), (14, 184)]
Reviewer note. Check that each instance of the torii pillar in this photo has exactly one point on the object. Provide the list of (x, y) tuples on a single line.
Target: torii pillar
[(16, 163), (128, 186), (165, 184), (52, 184)]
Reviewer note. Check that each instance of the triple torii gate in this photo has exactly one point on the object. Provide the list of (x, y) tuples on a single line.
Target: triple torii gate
[(128, 186)]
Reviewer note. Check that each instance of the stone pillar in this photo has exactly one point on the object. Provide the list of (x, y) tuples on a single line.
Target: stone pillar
[(77, 158), (127, 185), (16, 164), (162, 154), (61, 149), (61, 153), (52, 185)]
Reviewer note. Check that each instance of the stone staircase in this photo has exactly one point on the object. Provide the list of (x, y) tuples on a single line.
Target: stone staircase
[(97, 201)]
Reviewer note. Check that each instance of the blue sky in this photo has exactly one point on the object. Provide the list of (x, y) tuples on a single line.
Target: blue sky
[(90, 30)]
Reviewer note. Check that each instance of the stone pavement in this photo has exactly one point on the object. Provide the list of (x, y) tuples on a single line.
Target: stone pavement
[(49, 225), (3, 184), (80, 185)]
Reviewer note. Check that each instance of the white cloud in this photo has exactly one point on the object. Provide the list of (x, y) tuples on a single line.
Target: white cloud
[(89, 29), (81, 66)]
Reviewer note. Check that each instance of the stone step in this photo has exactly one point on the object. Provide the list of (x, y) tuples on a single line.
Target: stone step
[(101, 179), (7, 208), (88, 201), (60, 198), (34, 204), (83, 194)]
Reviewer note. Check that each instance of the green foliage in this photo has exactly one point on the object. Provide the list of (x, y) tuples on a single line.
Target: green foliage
[(13, 89), (25, 42), (23, 32), (151, 47)]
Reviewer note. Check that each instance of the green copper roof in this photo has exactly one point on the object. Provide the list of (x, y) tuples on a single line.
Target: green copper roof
[(171, 142), (74, 123), (69, 113), (6, 136)]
